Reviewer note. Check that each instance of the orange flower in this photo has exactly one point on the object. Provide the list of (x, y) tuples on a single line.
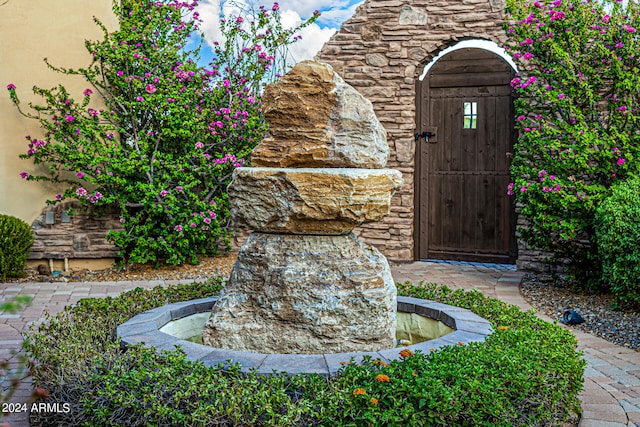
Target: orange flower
[(345, 363), (406, 353), (373, 401), (41, 392), (502, 328), (359, 391), (382, 378), (383, 364), (460, 343), (414, 374), (432, 349)]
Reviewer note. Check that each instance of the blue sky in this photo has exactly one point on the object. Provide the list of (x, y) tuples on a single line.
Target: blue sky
[(333, 14)]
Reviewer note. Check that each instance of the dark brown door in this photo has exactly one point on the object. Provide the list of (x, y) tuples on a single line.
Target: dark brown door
[(463, 210)]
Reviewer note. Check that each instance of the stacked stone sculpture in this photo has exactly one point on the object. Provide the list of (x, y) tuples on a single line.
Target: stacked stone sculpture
[(303, 282)]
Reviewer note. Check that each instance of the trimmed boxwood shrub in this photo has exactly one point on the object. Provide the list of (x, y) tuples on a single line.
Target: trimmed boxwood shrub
[(617, 230), (527, 373), (16, 239)]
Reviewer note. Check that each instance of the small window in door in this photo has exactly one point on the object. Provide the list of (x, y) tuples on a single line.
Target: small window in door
[(470, 115)]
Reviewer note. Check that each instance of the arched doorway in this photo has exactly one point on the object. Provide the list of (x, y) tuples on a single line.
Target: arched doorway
[(464, 130)]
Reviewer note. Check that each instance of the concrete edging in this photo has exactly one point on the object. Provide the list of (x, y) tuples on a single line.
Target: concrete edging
[(144, 328)]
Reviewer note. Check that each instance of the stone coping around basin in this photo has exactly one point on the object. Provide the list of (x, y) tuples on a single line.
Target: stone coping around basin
[(144, 328)]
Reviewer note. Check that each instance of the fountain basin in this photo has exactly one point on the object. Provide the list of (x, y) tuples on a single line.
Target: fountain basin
[(146, 328)]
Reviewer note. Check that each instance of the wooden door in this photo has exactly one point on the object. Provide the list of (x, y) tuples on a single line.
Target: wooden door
[(463, 210)]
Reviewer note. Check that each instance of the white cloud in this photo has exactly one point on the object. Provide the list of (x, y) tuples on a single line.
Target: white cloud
[(209, 11), (313, 37)]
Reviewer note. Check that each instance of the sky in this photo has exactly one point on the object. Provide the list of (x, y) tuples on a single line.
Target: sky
[(293, 12)]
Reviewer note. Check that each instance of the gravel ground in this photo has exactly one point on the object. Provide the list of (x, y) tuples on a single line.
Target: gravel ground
[(551, 296), (211, 266)]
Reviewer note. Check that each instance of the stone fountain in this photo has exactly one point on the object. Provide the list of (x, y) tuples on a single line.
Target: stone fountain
[(305, 295), (303, 282)]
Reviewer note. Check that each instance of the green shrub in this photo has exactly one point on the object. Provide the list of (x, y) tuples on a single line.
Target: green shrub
[(16, 239), (527, 373), (617, 229)]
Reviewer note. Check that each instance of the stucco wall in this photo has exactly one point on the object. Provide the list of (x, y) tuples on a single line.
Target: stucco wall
[(381, 51), (30, 31)]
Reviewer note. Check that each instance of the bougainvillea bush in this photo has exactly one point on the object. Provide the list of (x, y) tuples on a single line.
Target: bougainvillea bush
[(578, 113), (155, 133)]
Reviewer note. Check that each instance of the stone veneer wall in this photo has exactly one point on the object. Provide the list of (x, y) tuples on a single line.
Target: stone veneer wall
[(82, 237), (381, 51)]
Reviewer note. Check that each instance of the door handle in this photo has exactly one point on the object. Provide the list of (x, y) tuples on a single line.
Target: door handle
[(426, 136)]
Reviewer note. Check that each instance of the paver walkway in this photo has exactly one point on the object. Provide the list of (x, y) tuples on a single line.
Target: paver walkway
[(611, 397)]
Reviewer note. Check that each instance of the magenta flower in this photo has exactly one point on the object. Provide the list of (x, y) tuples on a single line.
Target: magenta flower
[(561, 96), (163, 193), (120, 73), (520, 118), (81, 192), (275, 6), (11, 86), (179, 189), (24, 175), (87, 92), (58, 196), (623, 108), (621, 161), (69, 118), (199, 145), (150, 88), (80, 175), (139, 98), (177, 228)]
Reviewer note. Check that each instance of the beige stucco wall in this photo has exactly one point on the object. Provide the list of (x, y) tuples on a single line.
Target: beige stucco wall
[(30, 31)]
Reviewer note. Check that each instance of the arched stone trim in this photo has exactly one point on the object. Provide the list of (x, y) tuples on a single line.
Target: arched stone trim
[(471, 43), (381, 52)]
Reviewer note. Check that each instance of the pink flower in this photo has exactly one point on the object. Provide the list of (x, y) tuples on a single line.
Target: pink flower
[(120, 73), (24, 175), (163, 193), (520, 118), (58, 196), (87, 92), (81, 192), (69, 118), (561, 96), (226, 83), (621, 161), (179, 189), (199, 145), (623, 108), (150, 88), (275, 7), (80, 175), (11, 86), (177, 228), (139, 98)]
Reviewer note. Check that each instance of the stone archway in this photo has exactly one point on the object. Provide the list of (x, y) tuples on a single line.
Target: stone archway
[(381, 51)]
